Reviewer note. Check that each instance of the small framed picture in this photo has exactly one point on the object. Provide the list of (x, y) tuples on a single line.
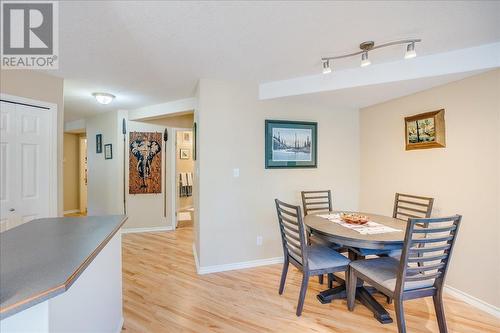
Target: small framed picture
[(98, 143), (184, 154), (186, 137), (425, 130), (108, 151)]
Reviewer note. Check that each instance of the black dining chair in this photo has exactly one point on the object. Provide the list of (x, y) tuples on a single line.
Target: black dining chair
[(319, 201), (421, 272), (405, 206), (311, 260)]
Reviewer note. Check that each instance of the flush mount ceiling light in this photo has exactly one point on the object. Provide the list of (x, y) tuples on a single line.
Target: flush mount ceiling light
[(103, 98), (369, 46)]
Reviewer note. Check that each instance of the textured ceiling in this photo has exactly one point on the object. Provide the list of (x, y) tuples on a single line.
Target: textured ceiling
[(148, 52)]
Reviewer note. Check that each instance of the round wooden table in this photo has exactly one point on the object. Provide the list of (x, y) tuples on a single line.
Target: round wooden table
[(336, 233)]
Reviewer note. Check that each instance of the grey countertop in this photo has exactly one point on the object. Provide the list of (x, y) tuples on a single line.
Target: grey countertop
[(42, 258)]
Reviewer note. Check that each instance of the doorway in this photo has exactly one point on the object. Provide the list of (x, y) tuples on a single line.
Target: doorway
[(75, 173), (184, 167)]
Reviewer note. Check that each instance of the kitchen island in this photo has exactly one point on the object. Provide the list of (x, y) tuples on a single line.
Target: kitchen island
[(62, 275)]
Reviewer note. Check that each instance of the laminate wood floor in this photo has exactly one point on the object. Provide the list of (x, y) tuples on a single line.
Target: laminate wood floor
[(163, 293)]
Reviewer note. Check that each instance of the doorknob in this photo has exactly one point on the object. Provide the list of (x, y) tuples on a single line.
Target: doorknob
[(12, 210)]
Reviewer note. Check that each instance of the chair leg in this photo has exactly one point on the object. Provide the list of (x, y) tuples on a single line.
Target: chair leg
[(352, 281), (302, 295), (400, 315), (320, 279), (330, 280), (283, 276), (389, 299), (439, 308)]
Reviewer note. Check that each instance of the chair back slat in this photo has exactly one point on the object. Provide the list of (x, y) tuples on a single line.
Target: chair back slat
[(314, 201), (427, 250), (292, 232), (412, 206)]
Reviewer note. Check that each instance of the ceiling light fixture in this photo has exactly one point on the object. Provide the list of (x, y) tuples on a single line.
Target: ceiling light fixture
[(364, 59), (326, 67), (369, 46), (103, 98), (410, 51)]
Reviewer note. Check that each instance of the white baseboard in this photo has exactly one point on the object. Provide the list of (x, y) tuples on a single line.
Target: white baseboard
[(196, 261), (152, 229), (239, 265), (475, 302), (71, 211)]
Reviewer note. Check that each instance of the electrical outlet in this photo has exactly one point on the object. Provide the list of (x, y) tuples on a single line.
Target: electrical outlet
[(259, 240), (236, 173)]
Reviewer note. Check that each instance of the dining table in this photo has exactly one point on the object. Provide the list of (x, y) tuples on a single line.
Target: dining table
[(333, 232)]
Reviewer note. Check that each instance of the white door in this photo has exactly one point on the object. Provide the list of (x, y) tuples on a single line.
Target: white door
[(24, 164)]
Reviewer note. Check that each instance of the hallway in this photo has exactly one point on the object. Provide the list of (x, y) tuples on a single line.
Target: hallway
[(163, 293)]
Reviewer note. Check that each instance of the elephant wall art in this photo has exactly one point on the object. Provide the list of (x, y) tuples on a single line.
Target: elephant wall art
[(145, 162)]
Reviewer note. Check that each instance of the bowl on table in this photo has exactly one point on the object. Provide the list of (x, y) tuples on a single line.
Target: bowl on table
[(354, 218)]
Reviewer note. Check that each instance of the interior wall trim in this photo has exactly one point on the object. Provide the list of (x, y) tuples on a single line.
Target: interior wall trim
[(471, 300), (152, 229)]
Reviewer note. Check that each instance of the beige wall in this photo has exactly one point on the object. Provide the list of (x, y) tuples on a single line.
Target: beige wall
[(463, 177), (181, 121), (71, 171), (105, 177), (234, 211), (184, 165), (43, 87)]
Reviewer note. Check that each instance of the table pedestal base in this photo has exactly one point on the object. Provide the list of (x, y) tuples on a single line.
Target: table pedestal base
[(363, 295)]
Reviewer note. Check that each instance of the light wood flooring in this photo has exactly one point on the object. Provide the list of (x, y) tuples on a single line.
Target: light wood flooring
[(163, 293)]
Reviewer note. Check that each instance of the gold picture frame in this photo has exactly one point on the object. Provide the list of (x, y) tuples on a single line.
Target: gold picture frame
[(425, 130)]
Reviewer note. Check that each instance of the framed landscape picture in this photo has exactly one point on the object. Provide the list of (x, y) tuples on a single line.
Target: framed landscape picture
[(425, 130), (291, 144)]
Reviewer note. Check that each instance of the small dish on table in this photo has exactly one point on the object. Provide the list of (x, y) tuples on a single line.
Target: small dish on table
[(353, 218)]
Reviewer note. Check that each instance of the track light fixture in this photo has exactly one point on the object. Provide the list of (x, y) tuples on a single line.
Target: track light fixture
[(369, 46), (326, 67), (410, 51), (364, 59)]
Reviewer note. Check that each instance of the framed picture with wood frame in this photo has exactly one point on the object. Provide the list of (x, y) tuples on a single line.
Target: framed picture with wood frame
[(425, 130)]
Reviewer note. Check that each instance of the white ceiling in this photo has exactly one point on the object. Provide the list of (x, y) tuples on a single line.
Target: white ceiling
[(148, 52)]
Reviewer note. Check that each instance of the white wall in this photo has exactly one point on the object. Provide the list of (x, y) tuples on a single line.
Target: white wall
[(234, 211), (464, 177), (105, 177)]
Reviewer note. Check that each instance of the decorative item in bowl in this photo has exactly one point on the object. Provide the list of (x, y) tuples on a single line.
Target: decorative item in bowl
[(354, 218)]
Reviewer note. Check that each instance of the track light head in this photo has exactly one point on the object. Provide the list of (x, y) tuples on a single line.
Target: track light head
[(326, 67), (410, 51), (364, 59)]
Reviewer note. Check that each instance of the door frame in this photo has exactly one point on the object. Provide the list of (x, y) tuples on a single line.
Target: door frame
[(53, 145), (173, 174)]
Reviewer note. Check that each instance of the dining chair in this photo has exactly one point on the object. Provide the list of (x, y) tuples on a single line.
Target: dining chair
[(421, 272), (311, 260), (405, 206), (316, 202)]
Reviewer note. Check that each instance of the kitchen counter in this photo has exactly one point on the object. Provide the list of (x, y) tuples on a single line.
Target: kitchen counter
[(43, 258)]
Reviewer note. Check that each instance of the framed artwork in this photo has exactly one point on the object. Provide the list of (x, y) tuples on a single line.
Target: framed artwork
[(425, 130), (291, 144), (194, 141), (108, 151), (145, 162), (184, 154), (186, 137), (98, 143)]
